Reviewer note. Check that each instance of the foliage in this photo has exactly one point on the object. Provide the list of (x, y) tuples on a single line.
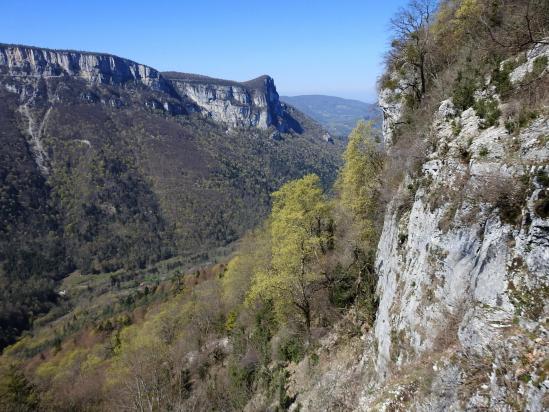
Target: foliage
[(464, 90), (17, 393), (500, 77), (291, 349), (358, 181), (300, 235), (488, 110)]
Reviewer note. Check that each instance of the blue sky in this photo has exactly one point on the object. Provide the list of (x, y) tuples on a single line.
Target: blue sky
[(308, 47)]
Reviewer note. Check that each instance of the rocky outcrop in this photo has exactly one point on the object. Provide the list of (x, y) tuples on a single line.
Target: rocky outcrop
[(25, 61), (463, 266), (463, 276), (249, 104)]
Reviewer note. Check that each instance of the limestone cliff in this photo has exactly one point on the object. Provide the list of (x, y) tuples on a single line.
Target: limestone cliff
[(254, 103), (463, 266), (25, 61)]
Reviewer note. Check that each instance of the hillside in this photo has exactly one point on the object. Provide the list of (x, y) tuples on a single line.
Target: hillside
[(418, 280), (107, 164), (338, 115)]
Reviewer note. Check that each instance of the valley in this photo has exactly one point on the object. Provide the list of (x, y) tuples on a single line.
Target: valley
[(179, 242)]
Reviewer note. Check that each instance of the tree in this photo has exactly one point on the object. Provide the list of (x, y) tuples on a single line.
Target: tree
[(358, 181), (358, 207), (413, 40), (16, 392), (300, 235), (512, 25), (254, 254)]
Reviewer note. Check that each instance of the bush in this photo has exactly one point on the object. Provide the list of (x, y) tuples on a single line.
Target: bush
[(291, 349), (504, 193), (386, 82), (483, 152), (463, 94), (489, 112), (519, 120), (500, 77), (539, 66)]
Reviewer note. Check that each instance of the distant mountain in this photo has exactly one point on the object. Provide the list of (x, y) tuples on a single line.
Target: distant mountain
[(338, 115)]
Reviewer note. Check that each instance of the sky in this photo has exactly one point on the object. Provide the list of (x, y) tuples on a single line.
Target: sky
[(308, 47)]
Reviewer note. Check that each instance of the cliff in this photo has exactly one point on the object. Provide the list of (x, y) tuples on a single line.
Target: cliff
[(254, 103), (96, 68), (462, 264)]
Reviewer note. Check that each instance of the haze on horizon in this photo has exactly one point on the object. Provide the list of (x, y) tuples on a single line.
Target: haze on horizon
[(308, 47)]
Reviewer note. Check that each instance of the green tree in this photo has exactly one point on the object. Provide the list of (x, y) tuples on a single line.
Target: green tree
[(357, 217), (359, 181), (300, 235), (16, 392)]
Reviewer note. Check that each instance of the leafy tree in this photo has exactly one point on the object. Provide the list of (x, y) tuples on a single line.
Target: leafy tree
[(358, 181), (254, 254), (357, 222), (16, 392), (300, 235)]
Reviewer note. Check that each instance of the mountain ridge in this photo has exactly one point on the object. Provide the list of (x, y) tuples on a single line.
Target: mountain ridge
[(130, 170), (337, 114)]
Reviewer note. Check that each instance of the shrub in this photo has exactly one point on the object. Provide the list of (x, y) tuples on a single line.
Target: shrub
[(506, 194), (500, 77), (489, 112), (386, 82), (456, 127), (291, 349), (520, 119), (483, 152), (464, 91), (541, 206), (538, 67)]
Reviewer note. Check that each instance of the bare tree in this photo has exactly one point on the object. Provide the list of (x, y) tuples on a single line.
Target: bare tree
[(412, 38)]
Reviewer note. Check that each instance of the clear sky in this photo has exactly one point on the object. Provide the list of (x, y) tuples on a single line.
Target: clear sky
[(308, 47)]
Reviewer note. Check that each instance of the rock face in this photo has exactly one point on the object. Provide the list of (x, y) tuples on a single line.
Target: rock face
[(93, 67), (254, 103), (249, 104), (462, 283), (463, 269)]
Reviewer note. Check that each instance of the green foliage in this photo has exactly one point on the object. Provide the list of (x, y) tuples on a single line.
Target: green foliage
[(456, 127), (358, 181), (254, 254), (17, 393), (540, 64), (300, 233), (387, 82), (291, 349), (488, 110), (520, 120), (241, 380), (538, 67), (343, 291), (500, 77), (463, 94)]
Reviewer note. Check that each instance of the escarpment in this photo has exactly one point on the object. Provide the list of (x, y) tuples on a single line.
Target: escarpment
[(462, 264), (248, 104), (254, 103)]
